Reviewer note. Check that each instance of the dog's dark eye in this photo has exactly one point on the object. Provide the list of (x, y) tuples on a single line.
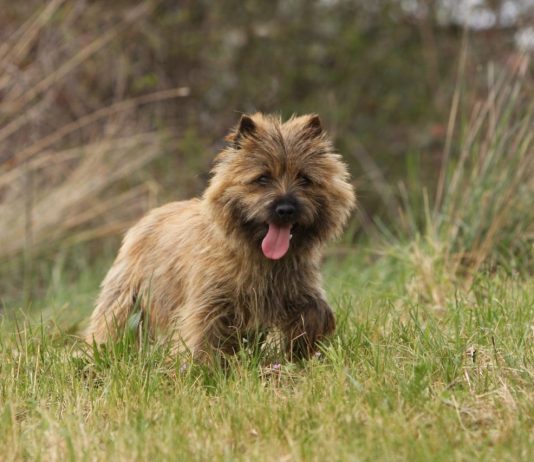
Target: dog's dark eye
[(263, 180), (304, 179)]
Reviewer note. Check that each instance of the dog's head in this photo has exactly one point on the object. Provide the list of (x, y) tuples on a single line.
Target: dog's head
[(281, 186)]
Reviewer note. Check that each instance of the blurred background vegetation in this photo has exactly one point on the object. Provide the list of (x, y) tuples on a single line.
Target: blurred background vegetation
[(110, 108)]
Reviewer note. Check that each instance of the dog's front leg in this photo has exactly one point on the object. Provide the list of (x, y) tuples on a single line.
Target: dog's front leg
[(309, 325), (205, 329)]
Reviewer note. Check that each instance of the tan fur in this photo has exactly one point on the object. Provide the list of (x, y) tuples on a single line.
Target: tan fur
[(196, 267)]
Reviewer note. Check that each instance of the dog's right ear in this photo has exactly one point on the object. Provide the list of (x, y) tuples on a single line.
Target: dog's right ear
[(245, 127)]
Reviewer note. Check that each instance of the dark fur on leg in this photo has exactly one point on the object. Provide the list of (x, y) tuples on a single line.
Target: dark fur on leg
[(310, 326)]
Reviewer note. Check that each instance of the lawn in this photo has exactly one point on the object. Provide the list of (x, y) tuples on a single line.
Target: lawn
[(432, 286), (402, 379)]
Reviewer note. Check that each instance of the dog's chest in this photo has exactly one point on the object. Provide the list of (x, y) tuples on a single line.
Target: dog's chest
[(270, 296)]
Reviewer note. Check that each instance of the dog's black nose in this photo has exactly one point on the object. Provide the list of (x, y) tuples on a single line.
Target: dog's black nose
[(285, 210)]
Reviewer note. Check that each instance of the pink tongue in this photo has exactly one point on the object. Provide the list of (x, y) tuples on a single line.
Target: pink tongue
[(276, 243)]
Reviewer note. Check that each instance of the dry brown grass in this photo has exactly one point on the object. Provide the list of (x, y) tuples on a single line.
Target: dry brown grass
[(61, 152)]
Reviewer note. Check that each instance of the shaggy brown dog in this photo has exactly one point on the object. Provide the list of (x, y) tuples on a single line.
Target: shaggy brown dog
[(245, 257)]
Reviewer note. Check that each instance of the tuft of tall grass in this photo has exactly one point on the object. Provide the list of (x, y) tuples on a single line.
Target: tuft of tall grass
[(481, 214)]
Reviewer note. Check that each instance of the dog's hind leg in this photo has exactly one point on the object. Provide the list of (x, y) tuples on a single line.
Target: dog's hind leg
[(115, 304)]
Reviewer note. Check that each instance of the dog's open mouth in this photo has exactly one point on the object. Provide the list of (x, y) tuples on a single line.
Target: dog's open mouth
[(275, 244)]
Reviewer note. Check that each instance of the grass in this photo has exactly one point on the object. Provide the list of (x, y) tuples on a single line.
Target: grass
[(400, 380), (480, 216), (79, 176), (433, 357)]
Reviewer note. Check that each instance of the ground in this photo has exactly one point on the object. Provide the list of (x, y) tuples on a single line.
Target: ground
[(402, 379)]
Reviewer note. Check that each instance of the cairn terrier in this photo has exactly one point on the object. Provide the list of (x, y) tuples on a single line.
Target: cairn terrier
[(244, 258)]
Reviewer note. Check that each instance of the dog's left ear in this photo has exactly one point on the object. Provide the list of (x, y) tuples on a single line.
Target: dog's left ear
[(245, 127), (313, 125)]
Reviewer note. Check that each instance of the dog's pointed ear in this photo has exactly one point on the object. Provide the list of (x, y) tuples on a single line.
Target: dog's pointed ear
[(313, 125), (245, 127)]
